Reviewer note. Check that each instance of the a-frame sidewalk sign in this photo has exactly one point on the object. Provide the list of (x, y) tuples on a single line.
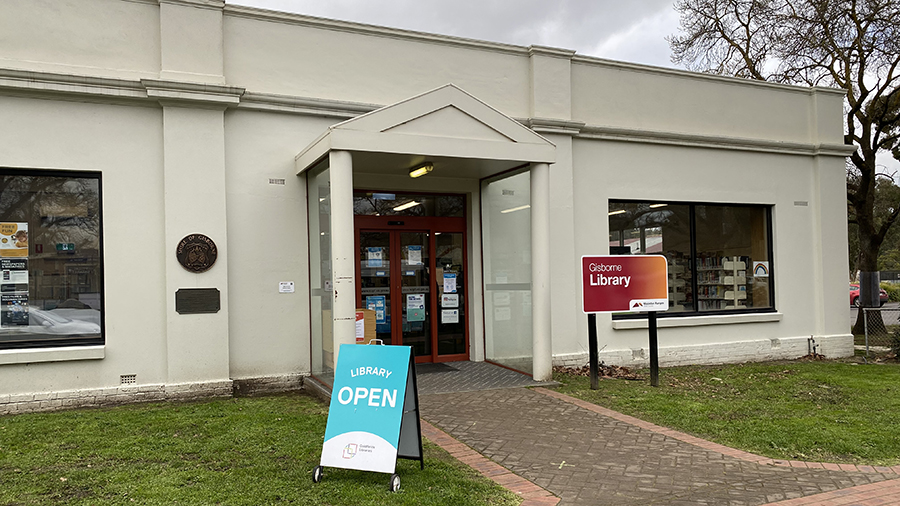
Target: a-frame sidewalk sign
[(373, 418)]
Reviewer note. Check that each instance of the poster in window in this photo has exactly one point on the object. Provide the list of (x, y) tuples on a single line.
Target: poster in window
[(450, 282), (414, 255), (450, 316), (13, 240), (376, 303), (13, 309), (450, 300), (415, 307), (374, 257)]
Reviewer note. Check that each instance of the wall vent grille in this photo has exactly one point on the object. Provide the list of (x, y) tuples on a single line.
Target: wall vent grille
[(128, 379)]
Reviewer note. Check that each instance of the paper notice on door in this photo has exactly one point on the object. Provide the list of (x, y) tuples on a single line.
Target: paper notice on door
[(449, 282), (502, 314), (450, 316), (501, 298), (450, 300), (415, 307), (374, 257), (414, 255)]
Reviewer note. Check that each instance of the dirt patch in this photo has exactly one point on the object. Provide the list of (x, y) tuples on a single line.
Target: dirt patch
[(603, 371)]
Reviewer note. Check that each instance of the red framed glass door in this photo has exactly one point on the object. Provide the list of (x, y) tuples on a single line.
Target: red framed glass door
[(412, 272)]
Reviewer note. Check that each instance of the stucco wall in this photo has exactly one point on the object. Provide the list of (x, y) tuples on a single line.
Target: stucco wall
[(109, 38), (125, 144)]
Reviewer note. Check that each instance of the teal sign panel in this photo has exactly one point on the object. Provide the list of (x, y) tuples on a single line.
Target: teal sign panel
[(366, 410)]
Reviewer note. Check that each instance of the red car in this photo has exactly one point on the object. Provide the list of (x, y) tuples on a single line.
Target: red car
[(854, 296)]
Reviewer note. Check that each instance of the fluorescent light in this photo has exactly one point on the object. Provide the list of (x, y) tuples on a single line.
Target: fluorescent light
[(620, 211), (421, 170), (411, 203), (654, 206), (514, 209)]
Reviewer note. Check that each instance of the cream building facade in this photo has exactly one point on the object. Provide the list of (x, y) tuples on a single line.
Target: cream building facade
[(128, 125)]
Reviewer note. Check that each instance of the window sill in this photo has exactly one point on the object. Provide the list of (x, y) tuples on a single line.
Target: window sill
[(34, 355), (696, 321)]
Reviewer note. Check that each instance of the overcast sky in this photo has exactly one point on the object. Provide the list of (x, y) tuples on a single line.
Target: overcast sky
[(631, 30)]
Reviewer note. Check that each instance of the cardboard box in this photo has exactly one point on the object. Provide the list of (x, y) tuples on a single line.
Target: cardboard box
[(365, 326)]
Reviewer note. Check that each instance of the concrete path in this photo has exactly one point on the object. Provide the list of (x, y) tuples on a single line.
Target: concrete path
[(585, 454)]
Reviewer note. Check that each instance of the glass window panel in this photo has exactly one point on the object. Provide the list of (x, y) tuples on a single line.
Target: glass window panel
[(506, 242), (415, 292), (320, 280), (408, 204), (452, 320), (51, 259), (731, 241), (656, 228)]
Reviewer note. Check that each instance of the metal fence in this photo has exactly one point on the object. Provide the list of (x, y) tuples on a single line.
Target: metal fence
[(882, 330)]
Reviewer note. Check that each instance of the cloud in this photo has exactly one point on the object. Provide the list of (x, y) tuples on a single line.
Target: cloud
[(582, 25)]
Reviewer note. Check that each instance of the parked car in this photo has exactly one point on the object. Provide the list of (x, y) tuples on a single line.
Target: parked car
[(854, 296)]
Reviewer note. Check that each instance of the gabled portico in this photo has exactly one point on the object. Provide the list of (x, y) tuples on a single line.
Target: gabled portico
[(461, 137)]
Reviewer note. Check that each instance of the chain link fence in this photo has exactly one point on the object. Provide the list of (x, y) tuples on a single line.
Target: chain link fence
[(882, 331)]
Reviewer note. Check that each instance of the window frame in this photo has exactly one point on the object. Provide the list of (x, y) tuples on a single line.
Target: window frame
[(61, 342), (767, 209)]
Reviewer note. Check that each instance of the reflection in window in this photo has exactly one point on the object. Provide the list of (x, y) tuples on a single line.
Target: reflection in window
[(718, 255), (50, 259), (407, 204), (647, 228)]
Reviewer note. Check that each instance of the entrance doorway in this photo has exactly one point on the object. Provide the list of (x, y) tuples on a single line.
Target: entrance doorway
[(412, 271)]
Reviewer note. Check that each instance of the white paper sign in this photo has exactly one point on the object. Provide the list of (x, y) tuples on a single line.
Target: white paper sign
[(373, 257), (761, 269), (449, 282), (415, 301), (450, 316), (502, 314), (414, 255), (501, 298), (285, 287), (450, 300)]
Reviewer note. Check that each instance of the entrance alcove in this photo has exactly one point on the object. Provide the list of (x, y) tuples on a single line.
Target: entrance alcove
[(361, 195)]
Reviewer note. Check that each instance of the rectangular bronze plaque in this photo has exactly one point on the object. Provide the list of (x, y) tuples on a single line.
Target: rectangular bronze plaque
[(197, 300)]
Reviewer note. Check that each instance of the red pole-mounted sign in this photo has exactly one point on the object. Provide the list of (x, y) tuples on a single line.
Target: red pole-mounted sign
[(613, 283)]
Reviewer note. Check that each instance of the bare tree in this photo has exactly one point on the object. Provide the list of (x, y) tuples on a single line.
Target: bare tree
[(849, 44)]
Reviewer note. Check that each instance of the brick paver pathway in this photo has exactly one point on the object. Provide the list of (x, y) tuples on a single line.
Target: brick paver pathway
[(586, 457)]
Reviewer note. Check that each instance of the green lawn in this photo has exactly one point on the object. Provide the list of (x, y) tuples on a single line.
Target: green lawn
[(815, 411), (250, 451)]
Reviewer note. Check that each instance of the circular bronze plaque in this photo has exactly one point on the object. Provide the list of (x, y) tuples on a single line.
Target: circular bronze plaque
[(196, 253)]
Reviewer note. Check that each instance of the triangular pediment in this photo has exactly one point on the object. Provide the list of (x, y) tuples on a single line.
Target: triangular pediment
[(449, 122), (444, 122), (447, 111)]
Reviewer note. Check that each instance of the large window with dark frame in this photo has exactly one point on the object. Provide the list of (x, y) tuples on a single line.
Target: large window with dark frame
[(51, 288), (719, 255)]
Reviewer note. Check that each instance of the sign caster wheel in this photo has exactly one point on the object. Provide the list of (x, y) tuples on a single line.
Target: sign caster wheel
[(317, 474), (395, 482)]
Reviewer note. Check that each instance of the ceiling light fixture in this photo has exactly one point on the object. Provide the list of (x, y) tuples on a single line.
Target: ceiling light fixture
[(411, 203), (654, 206), (421, 170), (514, 209), (620, 211)]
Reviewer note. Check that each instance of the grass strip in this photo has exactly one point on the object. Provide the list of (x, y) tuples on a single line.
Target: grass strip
[(251, 451), (819, 411)]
